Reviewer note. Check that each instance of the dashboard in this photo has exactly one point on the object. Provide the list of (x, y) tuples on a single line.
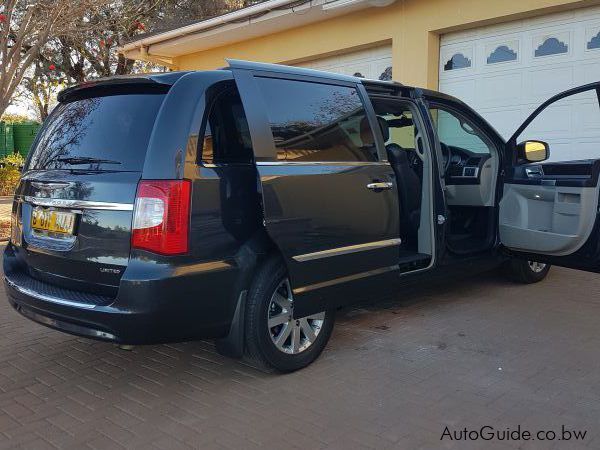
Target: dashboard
[(470, 177), (464, 167)]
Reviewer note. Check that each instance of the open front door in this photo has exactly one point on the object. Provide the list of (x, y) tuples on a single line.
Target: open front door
[(549, 210)]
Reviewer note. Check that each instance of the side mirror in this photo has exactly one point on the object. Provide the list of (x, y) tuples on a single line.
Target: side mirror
[(533, 151)]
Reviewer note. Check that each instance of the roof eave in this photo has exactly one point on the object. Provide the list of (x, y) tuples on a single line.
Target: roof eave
[(261, 19), (204, 24)]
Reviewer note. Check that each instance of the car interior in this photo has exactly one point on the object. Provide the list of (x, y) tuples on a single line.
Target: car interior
[(412, 167), (470, 167)]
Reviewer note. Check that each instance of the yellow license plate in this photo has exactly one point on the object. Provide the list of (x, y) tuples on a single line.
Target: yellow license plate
[(54, 221)]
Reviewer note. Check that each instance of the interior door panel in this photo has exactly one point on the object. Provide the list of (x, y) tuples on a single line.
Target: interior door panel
[(550, 209), (553, 220)]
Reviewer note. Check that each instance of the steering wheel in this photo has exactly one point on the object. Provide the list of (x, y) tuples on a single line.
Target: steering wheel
[(447, 155)]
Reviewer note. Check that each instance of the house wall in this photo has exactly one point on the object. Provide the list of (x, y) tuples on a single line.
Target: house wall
[(412, 26)]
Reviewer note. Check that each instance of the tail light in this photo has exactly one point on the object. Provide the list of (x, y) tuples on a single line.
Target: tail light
[(161, 216)]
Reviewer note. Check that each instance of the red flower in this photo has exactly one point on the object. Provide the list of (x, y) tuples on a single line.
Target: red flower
[(2, 18), (140, 26), (102, 43), (52, 67)]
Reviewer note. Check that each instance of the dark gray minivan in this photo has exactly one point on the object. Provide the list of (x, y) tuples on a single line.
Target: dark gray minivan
[(248, 204)]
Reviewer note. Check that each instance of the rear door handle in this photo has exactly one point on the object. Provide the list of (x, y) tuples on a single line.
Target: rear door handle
[(380, 185)]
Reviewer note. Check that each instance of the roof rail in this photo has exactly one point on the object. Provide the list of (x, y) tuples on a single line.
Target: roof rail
[(291, 70)]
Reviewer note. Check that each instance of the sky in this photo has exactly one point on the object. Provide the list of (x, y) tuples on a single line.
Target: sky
[(24, 108)]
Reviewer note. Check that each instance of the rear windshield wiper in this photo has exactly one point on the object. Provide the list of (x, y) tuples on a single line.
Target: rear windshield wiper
[(86, 160)]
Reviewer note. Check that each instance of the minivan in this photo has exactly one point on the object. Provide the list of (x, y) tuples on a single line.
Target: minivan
[(248, 204)]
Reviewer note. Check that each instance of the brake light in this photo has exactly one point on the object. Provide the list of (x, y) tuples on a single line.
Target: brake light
[(161, 216)]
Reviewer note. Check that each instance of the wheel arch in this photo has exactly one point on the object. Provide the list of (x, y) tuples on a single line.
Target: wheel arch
[(251, 255)]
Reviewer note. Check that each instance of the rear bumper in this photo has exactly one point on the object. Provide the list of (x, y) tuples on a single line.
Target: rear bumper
[(105, 323), (154, 310)]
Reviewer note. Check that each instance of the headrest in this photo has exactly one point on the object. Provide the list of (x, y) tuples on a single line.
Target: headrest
[(385, 128)]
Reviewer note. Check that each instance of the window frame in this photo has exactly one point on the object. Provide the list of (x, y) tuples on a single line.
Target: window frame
[(479, 124), (210, 105), (362, 95)]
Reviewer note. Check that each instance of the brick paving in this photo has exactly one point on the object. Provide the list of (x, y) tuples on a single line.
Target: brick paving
[(396, 372), (5, 207)]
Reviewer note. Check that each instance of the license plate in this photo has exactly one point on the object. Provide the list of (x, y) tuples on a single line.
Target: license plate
[(53, 221)]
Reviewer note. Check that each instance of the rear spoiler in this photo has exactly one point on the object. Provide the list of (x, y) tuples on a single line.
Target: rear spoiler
[(146, 84)]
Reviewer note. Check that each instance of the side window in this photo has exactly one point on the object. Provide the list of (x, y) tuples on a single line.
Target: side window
[(399, 127), (317, 122), (455, 130), (227, 135)]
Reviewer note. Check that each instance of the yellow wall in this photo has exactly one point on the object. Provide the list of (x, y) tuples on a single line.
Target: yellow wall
[(412, 26)]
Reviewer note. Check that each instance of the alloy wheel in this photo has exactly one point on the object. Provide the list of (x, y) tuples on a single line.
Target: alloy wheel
[(536, 267), (291, 336)]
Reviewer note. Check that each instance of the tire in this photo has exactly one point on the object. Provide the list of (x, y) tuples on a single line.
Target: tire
[(526, 272), (270, 289)]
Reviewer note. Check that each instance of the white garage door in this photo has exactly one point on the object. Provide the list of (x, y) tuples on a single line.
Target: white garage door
[(506, 71), (374, 63)]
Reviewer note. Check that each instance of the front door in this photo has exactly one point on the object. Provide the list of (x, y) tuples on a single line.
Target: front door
[(330, 198), (549, 210)]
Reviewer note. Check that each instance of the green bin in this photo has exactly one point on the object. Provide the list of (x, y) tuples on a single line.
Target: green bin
[(6, 139), (24, 135)]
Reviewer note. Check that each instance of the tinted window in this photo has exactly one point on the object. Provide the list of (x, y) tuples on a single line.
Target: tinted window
[(457, 131), (114, 128), (227, 136), (317, 122)]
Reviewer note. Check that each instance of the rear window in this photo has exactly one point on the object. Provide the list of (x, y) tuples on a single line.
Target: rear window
[(99, 133)]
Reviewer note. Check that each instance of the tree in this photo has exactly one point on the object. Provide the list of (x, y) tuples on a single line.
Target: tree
[(86, 46), (94, 54), (40, 86), (26, 26)]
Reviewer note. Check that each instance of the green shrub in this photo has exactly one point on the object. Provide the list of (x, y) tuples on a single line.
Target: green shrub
[(15, 118), (10, 173), (14, 159)]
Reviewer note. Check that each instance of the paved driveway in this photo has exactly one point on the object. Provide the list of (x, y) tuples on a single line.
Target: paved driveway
[(396, 373)]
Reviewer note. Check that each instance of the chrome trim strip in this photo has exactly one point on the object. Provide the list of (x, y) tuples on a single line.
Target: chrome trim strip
[(346, 250), (346, 279), (47, 298), (322, 163), (49, 186), (78, 204)]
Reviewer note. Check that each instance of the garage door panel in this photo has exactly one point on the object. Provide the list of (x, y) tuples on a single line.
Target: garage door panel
[(553, 53), (463, 89), (509, 119), (555, 122), (587, 119), (499, 90), (543, 83), (590, 71), (369, 63)]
